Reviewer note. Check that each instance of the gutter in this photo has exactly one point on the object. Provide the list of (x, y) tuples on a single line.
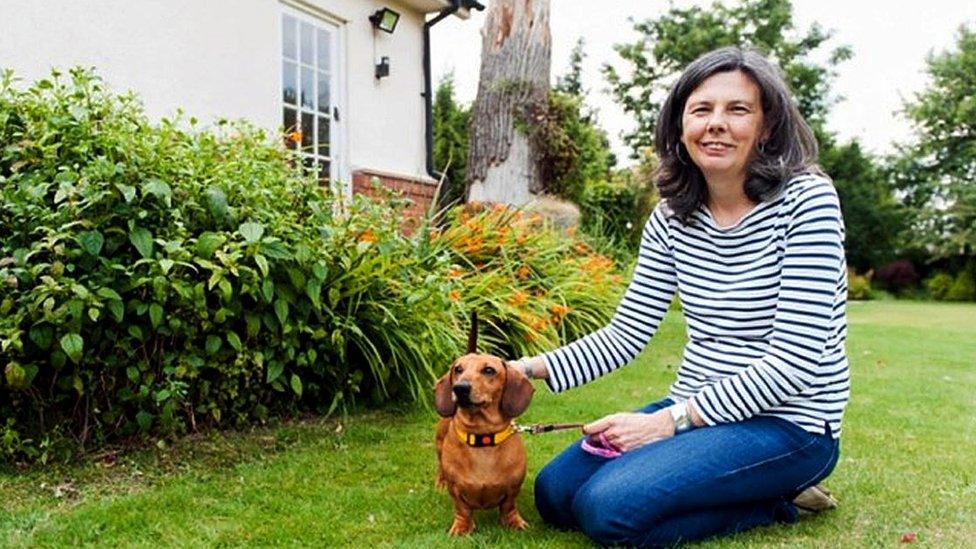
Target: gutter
[(428, 87)]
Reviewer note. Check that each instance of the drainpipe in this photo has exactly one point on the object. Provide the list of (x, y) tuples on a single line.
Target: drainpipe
[(428, 88)]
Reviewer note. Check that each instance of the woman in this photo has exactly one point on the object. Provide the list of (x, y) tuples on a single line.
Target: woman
[(749, 234)]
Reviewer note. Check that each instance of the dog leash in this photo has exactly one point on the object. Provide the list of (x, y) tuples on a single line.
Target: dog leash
[(539, 428), (598, 446)]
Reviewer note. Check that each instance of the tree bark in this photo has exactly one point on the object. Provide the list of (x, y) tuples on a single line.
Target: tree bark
[(503, 163)]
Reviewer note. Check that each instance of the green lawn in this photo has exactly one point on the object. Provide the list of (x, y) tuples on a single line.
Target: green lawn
[(908, 463)]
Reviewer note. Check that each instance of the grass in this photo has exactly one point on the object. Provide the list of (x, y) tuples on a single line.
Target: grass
[(908, 463)]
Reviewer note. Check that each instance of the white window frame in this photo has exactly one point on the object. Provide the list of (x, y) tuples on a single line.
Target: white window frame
[(339, 176)]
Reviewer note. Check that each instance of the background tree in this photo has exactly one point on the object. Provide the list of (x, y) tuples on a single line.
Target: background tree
[(873, 218), (668, 43), (503, 161), (571, 83), (936, 174), (451, 122)]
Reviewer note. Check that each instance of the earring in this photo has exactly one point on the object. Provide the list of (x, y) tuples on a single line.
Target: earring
[(677, 152)]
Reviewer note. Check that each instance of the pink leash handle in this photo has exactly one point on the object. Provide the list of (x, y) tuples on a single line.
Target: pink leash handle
[(600, 447)]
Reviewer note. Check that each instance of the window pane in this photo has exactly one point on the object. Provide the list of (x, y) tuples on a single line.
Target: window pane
[(308, 132), (306, 48), (289, 121), (324, 174), (323, 136), (289, 88), (288, 42), (324, 102), (324, 61), (308, 85)]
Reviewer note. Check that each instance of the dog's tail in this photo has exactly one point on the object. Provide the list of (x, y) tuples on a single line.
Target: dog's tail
[(473, 334)]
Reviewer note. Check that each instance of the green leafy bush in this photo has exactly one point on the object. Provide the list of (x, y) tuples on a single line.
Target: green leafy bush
[(943, 286), (154, 278), (859, 286), (617, 209), (964, 285)]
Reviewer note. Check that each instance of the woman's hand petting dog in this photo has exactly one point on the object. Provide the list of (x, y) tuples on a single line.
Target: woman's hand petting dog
[(629, 431)]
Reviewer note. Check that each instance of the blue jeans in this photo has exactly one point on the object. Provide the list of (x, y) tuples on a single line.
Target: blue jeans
[(701, 483)]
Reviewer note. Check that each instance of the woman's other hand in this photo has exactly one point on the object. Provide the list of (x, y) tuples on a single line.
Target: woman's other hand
[(627, 431)]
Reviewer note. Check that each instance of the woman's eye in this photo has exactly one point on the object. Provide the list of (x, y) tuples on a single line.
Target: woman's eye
[(489, 371)]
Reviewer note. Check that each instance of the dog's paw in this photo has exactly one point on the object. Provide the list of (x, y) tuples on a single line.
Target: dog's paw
[(461, 527), (514, 521)]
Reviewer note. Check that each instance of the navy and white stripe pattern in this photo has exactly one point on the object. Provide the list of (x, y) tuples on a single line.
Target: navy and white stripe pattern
[(764, 302)]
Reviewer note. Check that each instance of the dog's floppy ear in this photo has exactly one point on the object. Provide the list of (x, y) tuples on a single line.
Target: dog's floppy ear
[(473, 334), (443, 398), (517, 392)]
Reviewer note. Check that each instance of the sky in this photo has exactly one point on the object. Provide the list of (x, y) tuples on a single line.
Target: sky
[(890, 41)]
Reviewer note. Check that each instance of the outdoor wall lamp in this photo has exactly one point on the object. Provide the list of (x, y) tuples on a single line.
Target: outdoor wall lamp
[(385, 19), (383, 67)]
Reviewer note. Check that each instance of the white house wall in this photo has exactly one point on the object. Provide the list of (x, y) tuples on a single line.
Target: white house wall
[(222, 58)]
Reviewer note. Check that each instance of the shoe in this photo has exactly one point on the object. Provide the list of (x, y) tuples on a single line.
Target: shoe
[(814, 499)]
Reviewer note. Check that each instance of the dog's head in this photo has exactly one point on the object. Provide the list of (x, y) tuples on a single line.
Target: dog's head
[(482, 382)]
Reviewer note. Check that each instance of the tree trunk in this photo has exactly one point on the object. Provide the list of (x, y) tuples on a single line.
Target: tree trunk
[(503, 163)]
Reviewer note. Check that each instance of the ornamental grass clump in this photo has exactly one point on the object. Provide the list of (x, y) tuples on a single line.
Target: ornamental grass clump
[(157, 278), (534, 286)]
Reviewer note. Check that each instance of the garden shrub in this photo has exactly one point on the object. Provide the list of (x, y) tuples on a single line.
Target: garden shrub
[(858, 286), (533, 286), (161, 278), (617, 210), (153, 278), (963, 287), (938, 285), (897, 276)]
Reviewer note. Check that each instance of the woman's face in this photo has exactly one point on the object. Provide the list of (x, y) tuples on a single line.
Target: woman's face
[(722, 124)]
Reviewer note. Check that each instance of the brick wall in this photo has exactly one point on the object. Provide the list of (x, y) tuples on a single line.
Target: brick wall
[(420, 192)]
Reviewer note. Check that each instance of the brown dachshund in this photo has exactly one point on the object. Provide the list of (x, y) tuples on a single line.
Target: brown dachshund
[(481, 459)]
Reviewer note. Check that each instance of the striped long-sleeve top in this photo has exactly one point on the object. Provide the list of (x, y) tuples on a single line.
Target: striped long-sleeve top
[(764, 301)]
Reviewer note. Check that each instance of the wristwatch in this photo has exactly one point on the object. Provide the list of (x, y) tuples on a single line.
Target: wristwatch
[(681, 417)]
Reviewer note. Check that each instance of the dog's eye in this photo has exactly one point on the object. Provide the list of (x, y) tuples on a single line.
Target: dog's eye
[(458, 369), (488, 371)]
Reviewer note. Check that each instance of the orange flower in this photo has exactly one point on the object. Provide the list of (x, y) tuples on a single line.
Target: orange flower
[(571, 231), (559, 310), (523, 272), (454, 295), (455, 273), (518, 298), (470, 244), (295, 136), (367, 236)]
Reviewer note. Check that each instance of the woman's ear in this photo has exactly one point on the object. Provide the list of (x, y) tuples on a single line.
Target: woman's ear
[(443, 397), (517, 393)]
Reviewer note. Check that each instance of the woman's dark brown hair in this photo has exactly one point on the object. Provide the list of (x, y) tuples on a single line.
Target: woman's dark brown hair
[(789, 150)]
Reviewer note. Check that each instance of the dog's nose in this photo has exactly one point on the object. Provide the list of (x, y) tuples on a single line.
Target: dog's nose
[(462, 389)]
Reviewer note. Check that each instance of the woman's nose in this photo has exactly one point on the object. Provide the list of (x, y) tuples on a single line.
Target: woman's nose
[(716, 122)]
